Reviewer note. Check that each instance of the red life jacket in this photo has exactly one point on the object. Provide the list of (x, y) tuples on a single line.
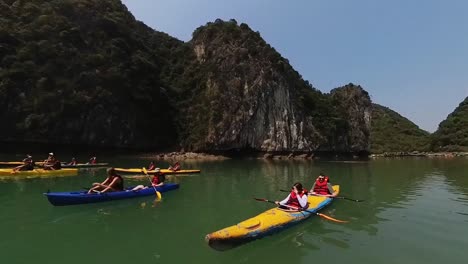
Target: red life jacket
[(157, 179), (321, 187), (293, 201)]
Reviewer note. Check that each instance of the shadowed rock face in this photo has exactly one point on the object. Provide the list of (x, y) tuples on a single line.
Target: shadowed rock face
[(86, 72), (356, 107), (255, 99)]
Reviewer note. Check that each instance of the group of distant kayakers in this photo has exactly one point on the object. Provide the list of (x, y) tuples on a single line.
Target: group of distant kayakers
[(115, 182), (297, 199), (51, 163)]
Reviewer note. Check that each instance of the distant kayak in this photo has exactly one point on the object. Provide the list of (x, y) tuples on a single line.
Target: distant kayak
[(11, 163), (165, 171), (37, 172), (85, 165), (266, 223), (82, 197), (64, 165)]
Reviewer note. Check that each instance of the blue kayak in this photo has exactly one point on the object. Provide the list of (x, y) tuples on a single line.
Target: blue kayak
[(82, 197)]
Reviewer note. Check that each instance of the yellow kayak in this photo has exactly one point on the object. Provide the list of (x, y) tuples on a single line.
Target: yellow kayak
[(6, 173), (266, 223), (11, 163), (165, 171), (17, 163)]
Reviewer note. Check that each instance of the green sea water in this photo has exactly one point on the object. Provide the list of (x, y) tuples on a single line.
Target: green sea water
[(415, 211)]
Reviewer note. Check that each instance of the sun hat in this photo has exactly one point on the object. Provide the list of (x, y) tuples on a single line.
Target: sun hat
[(157, 170)]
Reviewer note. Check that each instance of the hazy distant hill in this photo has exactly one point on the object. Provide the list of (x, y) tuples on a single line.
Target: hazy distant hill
[(452, 134), (391, 132)]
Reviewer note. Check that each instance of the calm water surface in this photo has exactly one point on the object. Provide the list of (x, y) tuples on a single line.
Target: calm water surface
[(415, 211)]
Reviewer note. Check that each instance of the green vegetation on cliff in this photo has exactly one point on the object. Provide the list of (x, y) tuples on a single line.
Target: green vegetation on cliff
[(390, 132), (86, 72), (83, 71), (452, 134)]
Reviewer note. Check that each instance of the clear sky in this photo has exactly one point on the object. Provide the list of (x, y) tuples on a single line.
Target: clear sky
[(410, 55)]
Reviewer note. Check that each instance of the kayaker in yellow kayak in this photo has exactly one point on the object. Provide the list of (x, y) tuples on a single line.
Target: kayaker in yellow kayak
[(28, 164), (323, 187), (157, 180), (296, 199), (72, 162), (151, 166), (174, 167), (92, 160), (113, 183), (52, 163)]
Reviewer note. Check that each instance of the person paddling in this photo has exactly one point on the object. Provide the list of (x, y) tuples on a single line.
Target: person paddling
[(296, 199), (72, 162), (112, 183), (92, 160), (157, 180), (52, 163), (28, 164), (323, 187), (151, 166), (174, 167)]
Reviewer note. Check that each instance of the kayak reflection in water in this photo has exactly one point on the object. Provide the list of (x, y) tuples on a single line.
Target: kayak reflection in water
[(323, 187), (113, 183), (297, 199), (157, 180)]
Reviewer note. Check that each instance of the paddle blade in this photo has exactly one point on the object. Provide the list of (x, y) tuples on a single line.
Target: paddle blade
[(144, 170), (331, 218), (158, 195)]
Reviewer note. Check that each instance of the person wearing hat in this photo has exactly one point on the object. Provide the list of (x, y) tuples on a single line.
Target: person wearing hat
[(28, 164), (157, 180), (52, 163), (113, 183), (323, 187)]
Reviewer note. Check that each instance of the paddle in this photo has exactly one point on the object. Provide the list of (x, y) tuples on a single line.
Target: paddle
[(158, 194), (319, 214), (337, 197)]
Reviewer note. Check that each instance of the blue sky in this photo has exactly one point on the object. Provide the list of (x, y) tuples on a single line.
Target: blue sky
[(410, 55)]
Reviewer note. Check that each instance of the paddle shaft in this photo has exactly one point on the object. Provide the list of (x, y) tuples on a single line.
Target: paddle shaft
[(158, 194), (337, 197)]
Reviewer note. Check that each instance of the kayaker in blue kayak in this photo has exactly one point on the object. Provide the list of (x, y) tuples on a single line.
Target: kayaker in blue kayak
[(157, 180), (323, 187), (296, 199), (113, 183)]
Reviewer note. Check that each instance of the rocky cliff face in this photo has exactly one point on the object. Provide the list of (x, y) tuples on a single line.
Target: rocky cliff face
[(251, 93), (355, 108), (255, 100), (86, 72)]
